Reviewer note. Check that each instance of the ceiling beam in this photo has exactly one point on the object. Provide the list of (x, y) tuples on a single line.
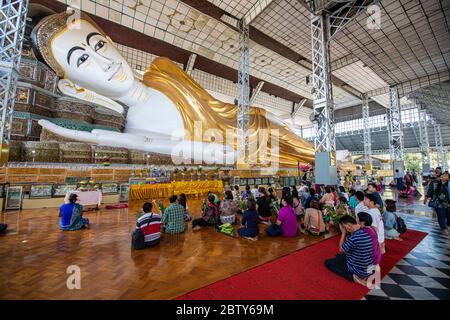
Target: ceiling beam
[(408, 86), (190, 64), (344, 61)]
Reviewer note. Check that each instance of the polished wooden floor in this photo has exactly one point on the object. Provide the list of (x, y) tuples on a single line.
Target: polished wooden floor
[(35, 256)]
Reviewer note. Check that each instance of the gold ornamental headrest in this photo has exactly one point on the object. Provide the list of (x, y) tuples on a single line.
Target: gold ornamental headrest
[(48, 27)]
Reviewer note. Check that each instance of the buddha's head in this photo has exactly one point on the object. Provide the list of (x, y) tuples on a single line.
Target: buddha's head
[(79, 51)]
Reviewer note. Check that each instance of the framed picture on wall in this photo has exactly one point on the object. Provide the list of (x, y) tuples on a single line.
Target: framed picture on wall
[(110, 188), (14, 198), (123, 192), (41, 191), (242, 182), (62, 189), (258, 182), (251, 182)]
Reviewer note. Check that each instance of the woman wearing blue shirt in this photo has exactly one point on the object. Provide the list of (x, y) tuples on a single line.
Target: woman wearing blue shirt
[(72, 215), (390, 220)]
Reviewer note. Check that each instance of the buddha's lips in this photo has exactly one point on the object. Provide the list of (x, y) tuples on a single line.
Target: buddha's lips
[(115, 72)]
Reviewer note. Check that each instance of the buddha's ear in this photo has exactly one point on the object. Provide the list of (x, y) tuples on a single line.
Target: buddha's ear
[(70, 89)]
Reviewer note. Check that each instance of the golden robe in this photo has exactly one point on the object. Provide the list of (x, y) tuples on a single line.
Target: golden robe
[(195, 104)]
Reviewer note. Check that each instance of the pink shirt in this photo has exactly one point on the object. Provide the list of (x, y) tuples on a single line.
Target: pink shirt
[(288, 221)]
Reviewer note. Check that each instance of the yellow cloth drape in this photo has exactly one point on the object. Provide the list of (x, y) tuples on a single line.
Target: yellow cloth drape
[(196, 104), (164, 190)]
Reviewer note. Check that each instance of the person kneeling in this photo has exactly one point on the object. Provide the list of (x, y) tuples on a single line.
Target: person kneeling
[(314, 223), (250, 222), (286, 222), (72, 215), (355, 259), (209, 215)]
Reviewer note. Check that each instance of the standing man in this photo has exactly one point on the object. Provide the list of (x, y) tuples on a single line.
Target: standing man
[(399, 177), (438, 193)]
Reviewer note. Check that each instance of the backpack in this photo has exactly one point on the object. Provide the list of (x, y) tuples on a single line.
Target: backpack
[(3, 227), (400, 225)]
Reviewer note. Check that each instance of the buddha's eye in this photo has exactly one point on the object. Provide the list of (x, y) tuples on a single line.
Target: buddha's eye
[(82, 59), (99, 45)]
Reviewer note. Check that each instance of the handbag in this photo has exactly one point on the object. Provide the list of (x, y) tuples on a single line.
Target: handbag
[(433, 203)]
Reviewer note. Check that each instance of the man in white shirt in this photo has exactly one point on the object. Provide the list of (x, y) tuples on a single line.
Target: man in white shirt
[(377, 220), (360, 207), (255, 192)]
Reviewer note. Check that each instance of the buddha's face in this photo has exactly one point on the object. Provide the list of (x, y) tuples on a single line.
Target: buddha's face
[(91, 61)]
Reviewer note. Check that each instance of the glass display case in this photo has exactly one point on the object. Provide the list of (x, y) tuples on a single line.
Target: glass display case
[(41, 191), (62, 189), (123, 192), (14, 197)]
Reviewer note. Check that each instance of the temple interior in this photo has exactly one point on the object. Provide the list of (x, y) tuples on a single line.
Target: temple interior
[(225, 150)]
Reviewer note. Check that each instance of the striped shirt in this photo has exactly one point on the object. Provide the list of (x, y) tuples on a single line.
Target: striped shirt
[(150, 225), (359, 254)]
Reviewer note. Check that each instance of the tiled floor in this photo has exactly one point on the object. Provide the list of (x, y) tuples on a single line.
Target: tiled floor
[(424, 274)]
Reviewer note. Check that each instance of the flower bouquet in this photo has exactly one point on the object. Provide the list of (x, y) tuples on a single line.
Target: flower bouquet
[(274, 208)]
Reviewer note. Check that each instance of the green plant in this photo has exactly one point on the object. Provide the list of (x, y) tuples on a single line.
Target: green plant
[(274, 207), (243, 205)]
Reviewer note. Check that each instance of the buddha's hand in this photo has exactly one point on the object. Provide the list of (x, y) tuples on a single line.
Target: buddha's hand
[(181, 151)]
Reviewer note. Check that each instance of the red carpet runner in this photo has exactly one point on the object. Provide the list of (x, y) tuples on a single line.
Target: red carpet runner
[(301, 275)]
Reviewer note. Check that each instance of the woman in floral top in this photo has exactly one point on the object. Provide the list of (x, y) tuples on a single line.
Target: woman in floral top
[(228, 208), (438, 192), (209, 215)]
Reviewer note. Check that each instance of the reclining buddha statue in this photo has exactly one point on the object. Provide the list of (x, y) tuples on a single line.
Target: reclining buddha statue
[(164, 110)]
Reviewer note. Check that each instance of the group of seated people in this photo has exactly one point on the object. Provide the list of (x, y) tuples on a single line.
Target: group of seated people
[(364, 231), (364, 228)]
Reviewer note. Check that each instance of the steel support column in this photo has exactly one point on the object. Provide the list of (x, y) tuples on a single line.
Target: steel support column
[(12, 28), (441, 153), (395, 130), (424, 141), (366, 133), (324, 140), (243, 93)]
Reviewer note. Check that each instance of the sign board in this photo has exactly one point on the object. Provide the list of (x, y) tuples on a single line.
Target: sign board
[(14, 198), (75, 180)]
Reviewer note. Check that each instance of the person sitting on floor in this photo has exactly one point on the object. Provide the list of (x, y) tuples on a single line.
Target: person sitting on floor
[(71, 215), (216, 198), (150, 225), (236, 194), (354, 262), (365, 221), (228, 208), (314, 223), (255, 191), (182, 201), (360, 207), (173, 217), (390, 220), (286, 224), (209, 215), (250, 222), (312, 196), (328, 197), (377, 220), (272, 196), (263, 206), (246, 194)]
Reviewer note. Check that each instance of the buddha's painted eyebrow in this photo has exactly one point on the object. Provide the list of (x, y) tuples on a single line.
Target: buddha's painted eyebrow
[(90, 35), (72, 51)]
